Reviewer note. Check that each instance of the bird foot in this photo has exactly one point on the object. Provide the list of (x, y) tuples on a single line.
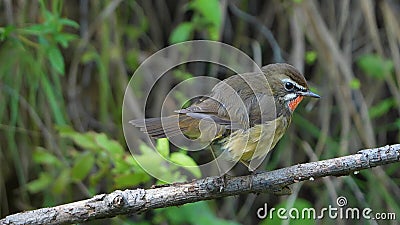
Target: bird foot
[(252, 173), (223, 181)]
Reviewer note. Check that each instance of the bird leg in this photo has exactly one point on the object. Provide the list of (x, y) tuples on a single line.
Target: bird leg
[(225, 176), (279, 192)]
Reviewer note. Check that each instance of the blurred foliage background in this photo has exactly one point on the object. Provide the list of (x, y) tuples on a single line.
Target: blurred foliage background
[(64, 67)]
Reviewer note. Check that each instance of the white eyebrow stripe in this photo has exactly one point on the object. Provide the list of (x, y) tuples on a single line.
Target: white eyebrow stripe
[(294, 83)]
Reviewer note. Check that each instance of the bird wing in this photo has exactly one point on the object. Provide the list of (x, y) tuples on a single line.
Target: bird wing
[(208, 109), (237, 102)]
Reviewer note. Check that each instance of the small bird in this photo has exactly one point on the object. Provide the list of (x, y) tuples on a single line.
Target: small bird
[(247, 114)]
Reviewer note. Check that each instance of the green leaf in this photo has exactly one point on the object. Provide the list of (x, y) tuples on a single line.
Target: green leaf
[(151, 162), (43, 156), (64, 130), (208, 16), (37, 29), (163, 147), (56, 59), (108, 145), (82, 166), (214, 33), (103, 170), (131, 161), (5, 32), (62, 181), (68, 22), (381, 108), (181, 33), (84, 140), (89, 56), (55, 104), (311, 56), (121, 166), (375, 66), (43, 182), (186, 161), (209, 9), (355, 84), (182, 75), (64, 38)]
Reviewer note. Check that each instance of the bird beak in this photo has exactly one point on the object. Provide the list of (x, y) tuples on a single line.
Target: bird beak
[(308, 94)]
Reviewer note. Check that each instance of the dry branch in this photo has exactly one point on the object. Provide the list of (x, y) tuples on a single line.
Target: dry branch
[(140, 200)]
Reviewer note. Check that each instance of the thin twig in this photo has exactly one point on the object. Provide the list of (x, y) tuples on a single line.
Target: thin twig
[(263, 29)]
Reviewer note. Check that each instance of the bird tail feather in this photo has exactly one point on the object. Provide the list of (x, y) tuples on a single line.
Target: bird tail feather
[(161, 127)]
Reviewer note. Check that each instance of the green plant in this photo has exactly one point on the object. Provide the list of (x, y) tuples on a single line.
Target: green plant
[(31, 80), (207, 16), (92, 158)]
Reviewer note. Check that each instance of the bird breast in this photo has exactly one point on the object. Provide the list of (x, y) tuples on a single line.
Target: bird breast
[(257, 141)]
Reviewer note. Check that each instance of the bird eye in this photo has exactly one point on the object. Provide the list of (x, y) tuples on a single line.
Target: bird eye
[(289, 86)]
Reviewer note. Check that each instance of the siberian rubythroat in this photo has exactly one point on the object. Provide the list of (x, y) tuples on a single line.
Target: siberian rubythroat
[(246, 114)]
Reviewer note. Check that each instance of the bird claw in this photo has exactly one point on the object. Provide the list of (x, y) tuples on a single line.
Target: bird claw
[(223, 180)]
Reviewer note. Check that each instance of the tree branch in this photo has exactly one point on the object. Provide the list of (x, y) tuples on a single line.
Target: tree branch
[(140, 200)]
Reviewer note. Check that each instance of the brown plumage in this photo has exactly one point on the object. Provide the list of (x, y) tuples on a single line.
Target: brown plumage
[(250, 112)]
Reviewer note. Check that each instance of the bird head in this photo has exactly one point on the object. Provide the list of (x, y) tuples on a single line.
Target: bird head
[(288, 85)]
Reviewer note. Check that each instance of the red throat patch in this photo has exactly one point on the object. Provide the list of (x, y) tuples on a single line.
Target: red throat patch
[(295, 102)]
